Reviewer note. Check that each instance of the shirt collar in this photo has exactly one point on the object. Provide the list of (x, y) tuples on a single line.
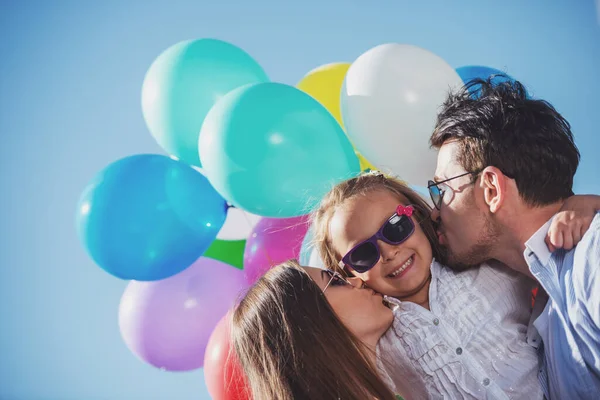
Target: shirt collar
[(537, 244)]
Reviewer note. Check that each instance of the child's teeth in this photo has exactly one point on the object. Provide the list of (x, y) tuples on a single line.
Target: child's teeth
[(403, 267)]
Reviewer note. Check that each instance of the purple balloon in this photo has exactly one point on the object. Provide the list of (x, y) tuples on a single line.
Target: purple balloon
[(273, 241), (167, 323)]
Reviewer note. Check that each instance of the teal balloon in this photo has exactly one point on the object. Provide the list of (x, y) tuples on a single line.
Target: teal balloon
[(184, 82), (273, 150), (147, 217)]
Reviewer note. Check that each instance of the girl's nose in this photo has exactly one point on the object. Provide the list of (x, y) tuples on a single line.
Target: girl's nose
[(388, 251)]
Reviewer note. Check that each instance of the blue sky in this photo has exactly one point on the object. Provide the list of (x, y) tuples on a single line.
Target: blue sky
[(70, 84)]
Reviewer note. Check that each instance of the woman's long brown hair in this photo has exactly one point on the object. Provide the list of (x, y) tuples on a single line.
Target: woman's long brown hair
[(292, 345), (363, 185)]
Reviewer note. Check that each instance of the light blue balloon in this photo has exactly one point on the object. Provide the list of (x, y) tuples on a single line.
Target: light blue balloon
[(273, 150), (307, 247), (147, 217), (184, 82)]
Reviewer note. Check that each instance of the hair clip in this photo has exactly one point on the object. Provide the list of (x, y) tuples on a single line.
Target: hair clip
[(401, 210), (372, 172)]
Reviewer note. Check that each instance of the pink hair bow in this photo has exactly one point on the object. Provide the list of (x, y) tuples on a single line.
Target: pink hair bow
[(401, 210)]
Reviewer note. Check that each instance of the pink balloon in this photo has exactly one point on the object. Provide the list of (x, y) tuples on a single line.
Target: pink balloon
[(273, 241), (168, 323)]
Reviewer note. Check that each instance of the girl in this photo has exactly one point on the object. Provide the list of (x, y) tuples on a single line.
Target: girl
[(455, 334), (293, 345)]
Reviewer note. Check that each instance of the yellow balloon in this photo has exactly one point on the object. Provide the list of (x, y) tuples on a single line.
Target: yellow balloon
[(364, 163), (325, 85)]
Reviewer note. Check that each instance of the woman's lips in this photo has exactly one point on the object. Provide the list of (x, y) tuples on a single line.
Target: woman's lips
[(441, 238)]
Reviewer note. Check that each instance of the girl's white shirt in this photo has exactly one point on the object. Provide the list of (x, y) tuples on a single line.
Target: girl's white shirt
[(472, 343)]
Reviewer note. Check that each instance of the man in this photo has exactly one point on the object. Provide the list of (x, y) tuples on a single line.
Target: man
[(505, 167)]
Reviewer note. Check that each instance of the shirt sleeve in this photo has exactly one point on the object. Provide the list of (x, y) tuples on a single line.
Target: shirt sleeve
[(586, 296)]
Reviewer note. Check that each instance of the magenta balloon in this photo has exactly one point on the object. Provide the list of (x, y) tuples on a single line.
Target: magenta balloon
[(168, 323), (272, 241)]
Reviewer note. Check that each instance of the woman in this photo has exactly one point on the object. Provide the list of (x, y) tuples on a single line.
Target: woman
[(293, 345)]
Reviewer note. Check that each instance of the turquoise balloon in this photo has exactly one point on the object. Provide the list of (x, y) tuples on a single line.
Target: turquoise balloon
[(273, 150), (147, 217), (184, 82)]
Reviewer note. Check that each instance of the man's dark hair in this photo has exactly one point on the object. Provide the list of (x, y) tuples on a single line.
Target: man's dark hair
[(497, 124)]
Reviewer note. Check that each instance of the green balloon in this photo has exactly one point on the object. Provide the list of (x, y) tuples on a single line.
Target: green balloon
[(227, 251)]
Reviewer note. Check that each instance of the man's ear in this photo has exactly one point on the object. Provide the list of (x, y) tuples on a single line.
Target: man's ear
[(493, 183)]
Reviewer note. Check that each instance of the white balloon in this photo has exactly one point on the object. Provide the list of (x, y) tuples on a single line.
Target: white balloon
[(390, 100), (238, 224)]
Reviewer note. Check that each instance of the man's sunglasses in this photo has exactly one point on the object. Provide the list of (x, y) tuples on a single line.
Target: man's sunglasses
[(437, 190), (395, 230)]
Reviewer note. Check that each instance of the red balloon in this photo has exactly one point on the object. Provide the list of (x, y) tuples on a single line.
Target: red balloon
[(223, 373)]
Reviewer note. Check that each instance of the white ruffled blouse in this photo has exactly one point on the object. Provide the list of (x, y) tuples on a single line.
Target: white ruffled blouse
[(471, 345)]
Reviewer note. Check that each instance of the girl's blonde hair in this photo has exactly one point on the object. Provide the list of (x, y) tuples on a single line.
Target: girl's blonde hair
[(364, 185)]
